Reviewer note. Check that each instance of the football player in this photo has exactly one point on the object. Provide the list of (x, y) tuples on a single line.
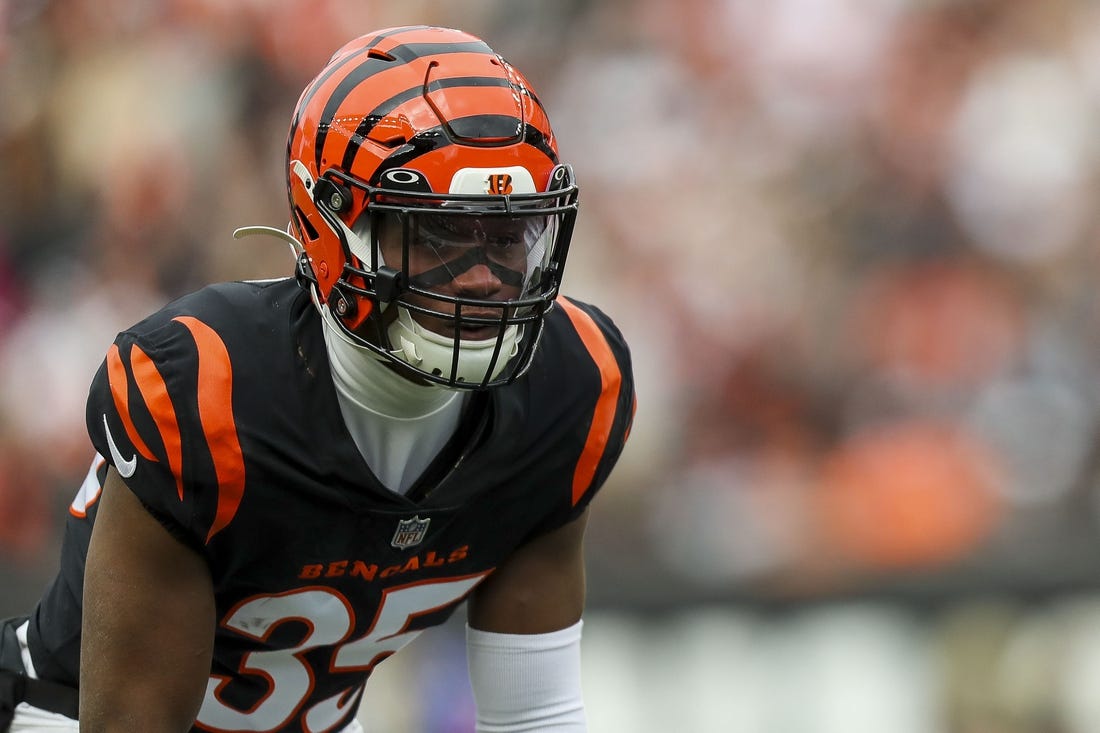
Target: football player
[(295, 477)]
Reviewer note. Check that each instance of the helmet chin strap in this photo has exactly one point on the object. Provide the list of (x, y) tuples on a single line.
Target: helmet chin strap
[(427, 350)]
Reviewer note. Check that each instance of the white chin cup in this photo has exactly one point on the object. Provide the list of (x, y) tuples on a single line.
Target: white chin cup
[(433, 353)]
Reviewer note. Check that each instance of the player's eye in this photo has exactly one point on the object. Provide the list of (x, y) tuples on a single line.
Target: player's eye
[(503, 242)]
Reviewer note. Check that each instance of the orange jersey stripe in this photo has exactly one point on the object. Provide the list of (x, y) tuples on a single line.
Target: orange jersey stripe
[(216, 415), (155, 393), (603, 417), (120, 392)]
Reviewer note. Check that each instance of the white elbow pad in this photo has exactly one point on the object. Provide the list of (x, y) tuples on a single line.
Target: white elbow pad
[(527, 682)]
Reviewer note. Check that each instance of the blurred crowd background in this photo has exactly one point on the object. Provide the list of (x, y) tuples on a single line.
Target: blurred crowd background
[(853, 243)]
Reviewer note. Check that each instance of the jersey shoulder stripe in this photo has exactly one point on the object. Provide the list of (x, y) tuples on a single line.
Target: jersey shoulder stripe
[(215, 397), (120, 393), (154, 392), (611, 382), (130, 369)]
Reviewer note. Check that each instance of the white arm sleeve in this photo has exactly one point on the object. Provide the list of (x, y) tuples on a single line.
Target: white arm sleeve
[(525, 683)]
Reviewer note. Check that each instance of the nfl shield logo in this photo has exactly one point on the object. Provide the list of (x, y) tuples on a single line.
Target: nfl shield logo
[(410, 532)]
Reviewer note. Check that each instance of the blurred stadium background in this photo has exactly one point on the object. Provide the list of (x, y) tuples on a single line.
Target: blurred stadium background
[(854, 244)]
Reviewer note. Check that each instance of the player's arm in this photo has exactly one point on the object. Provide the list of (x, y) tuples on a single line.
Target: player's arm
[(540, 588), (149, 621), (523, 640)]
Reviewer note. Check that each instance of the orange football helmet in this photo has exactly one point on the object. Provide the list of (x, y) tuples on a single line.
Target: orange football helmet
[(433, 214)]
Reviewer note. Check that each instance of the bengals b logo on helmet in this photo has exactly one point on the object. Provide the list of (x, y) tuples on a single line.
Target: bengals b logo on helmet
[(500, 184)]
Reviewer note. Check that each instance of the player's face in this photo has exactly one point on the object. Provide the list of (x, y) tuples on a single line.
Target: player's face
[(480, 258)]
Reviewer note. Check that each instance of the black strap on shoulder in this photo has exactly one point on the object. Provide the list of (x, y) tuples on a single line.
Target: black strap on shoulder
[(17, 687), (7, 700), (42, 694), (10, 655)]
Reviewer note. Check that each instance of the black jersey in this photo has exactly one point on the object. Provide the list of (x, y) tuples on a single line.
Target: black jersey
[(220, 414)]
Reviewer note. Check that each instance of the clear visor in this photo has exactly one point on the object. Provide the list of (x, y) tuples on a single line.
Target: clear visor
[(435, 249)]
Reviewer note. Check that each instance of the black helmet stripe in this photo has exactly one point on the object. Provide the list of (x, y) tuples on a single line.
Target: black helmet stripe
[(307, 96), (468, 81), (412, 51), (537, 139), (424, 142), (404, 54), (396, 100), (436, 138), (376, 115), (365, 70)]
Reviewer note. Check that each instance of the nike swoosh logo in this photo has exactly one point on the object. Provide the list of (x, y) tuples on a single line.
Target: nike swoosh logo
[(124, 467)]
